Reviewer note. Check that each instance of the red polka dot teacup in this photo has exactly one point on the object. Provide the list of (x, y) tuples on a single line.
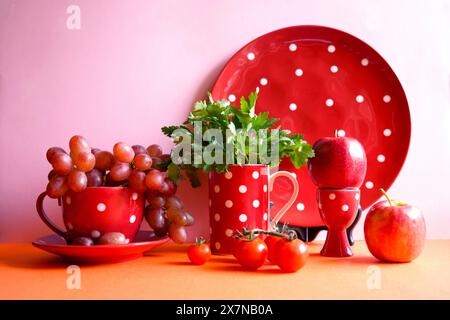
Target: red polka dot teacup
[(240, 198), (96, 211)]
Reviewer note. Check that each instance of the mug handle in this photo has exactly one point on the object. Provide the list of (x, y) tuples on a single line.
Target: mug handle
[(289, 203), (45, 218)]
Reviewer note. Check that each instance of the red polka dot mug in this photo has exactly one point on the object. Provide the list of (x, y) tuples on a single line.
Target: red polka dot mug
[(240, 198), (96, 211)]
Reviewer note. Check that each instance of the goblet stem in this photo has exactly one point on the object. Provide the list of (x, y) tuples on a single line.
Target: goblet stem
[(336, 244)]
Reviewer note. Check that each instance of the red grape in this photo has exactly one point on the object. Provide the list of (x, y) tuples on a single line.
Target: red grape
[(77, 145), (138, 149), (104, 160), (94, 151), (154, 180), (77, 181), (57, 187), (82, 241), (155, 217), (164, 157), (155, 200), (62, 163), (190, 219), (51, 174), (143, 162), (120, 171), (94, 178), (173, 213), (181, 219), (174, 202), (113, 238), (111, 183), (154, 150), (52, 151), (155, 162), (168, 188), (123, 152), (85, 161), (136, 181), (177, 233)]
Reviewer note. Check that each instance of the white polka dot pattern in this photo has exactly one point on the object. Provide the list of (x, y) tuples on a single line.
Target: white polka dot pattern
[(243, 217), (101, 207), (242, 189), (228, 204), (133, 219)]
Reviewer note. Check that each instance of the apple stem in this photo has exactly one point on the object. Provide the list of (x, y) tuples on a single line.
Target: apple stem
[(387, 197), (335, 133)]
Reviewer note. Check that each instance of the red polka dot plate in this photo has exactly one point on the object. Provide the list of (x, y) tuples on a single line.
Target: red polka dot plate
[(144, 241), (315, 80)]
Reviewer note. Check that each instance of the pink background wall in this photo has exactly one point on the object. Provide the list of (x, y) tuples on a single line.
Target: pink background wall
[(135, 66)]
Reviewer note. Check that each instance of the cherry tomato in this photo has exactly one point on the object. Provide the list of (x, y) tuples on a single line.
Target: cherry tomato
[(251, 254), (271, 242), (291, 255), (199, 252)]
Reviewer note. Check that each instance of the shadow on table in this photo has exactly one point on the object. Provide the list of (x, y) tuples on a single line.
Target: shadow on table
[(32, 261)]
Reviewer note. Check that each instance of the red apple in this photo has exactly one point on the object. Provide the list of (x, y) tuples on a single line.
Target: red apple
[(394, 231), (339, 162)]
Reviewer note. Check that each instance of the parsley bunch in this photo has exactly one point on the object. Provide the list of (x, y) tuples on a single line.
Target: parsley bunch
[(241, 122)]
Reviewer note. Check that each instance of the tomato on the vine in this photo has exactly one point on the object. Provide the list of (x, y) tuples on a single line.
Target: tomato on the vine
[(271, 242), (251, 254), (199, 252), (291, 255)]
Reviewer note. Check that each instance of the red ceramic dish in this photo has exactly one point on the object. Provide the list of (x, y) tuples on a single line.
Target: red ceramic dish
[(144, 241), (317, 79)]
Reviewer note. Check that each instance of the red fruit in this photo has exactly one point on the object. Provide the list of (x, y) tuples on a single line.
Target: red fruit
[(94, 178), (154, 180), (104, 160), (85, 161), (136, 180), (143, 162), (291, 255), (57, 187), (251, 254), (77, 181), (271, 242), (138, 149), (199, 253), (62, 163), (155, 200), (77, 145), (174, 202), (154, 150), (339, 162), (52, 151), (123, 152), (394, 231), (168, 188), (120, 171)]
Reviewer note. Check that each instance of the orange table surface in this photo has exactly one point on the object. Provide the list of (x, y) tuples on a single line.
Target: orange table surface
[(165, 273)]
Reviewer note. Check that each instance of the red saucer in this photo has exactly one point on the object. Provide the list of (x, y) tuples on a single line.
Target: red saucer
[(315, 80), (144, 241)]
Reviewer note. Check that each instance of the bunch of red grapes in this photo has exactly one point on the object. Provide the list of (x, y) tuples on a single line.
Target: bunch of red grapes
[(135, 166)]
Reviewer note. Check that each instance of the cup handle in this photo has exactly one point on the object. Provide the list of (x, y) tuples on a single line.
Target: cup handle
[(289, 203), (45, 218)]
